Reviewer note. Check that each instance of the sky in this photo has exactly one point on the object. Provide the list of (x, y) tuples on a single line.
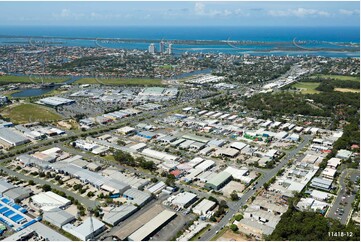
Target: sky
[(290, 13)]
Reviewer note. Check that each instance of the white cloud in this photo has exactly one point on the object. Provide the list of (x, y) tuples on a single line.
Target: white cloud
[(299, 12), (200, 9), (64, 13), (349, 12), (67, 14)]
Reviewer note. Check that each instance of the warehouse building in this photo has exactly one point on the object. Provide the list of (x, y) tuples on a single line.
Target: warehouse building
[(88, 230), (207, 150), (216, 143), (183, 199), (205, 176), (10, 138), (195, 161), (133, 181), (93, 178), (156, 188), (193, 173), (167, 139), (161, 156), (237, 173), (28, 160), (55, 101), (205, 165), (137, 197), (228, 152), (47, 201), (186, 144), (17, 193), (238, 145), (177, 142), (204, 207), (37, 231), (152, 91), (58, 217), (154, 225), (195, 138), (5, 124), (138, 147), (5, 186), (119, 214), (126, 130), (196, 146), (147, 134), (114, 186), (219, 181)]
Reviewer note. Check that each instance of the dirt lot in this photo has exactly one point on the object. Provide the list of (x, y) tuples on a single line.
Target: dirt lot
[(229, 235), (232, 186)]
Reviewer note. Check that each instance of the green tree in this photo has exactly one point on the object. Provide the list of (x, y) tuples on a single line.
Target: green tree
[(46, 188), (238, 217), (234, 196), (233, 227)]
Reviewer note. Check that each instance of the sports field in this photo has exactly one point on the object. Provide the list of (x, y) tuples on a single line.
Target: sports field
[(307, 87), (27, 113)]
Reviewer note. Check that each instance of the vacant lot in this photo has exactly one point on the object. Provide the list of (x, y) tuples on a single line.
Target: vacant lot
[(31, 79), (25, 113), (337, 77), (307, 87), (233, 186), (120, 81), (229, 235)]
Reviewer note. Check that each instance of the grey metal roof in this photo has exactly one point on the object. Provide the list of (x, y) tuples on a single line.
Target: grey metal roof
[(58, 216), (11, 137), (17, 192), (118, 214), (219, 178), (47, 233), (139, 197), (4, 186)]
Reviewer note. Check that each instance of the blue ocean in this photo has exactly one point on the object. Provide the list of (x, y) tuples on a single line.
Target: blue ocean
[(268, 34)]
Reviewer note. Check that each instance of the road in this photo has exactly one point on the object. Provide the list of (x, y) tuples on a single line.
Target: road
[(343, 200), (235, 206)]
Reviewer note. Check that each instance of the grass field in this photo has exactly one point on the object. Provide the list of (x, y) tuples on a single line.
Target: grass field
[(166, 66), (25, 113), (337, 77), (30, 79), (307, 87), (120, 81), (346, 90)]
